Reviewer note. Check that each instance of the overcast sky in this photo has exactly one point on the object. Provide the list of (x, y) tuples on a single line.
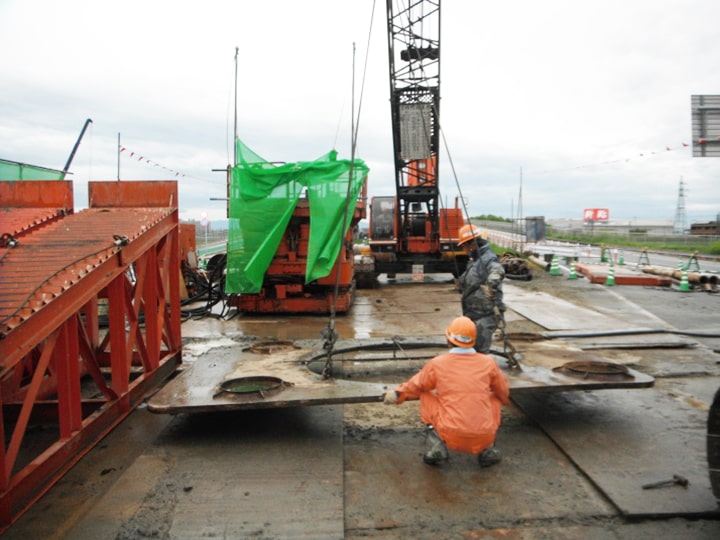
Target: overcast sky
[(587, 104)]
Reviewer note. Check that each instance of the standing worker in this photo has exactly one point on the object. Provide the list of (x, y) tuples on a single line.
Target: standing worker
[(481, 285), (461, 394)]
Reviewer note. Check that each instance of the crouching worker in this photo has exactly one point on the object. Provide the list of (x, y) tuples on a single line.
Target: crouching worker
[(461, 394)]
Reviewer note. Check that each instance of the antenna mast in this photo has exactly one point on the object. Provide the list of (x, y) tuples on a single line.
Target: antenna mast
[(680, 223), (235, 131)]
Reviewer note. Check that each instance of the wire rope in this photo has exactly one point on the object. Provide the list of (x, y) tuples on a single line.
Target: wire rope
[(329, 334)]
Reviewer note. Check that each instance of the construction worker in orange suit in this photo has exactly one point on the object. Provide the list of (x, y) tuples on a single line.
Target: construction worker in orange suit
[(481, 285), (461, 394)]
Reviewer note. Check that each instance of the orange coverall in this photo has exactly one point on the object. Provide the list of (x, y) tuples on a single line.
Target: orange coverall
[(461, 395)]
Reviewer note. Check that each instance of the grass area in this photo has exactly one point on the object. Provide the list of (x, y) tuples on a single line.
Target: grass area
[(683, 244)]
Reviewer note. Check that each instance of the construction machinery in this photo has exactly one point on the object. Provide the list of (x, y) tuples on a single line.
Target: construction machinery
[(290, 247), (410, 232), (284, 288)]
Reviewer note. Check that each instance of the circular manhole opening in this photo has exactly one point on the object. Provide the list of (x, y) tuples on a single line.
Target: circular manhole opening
[(593, 369), (261, 386)]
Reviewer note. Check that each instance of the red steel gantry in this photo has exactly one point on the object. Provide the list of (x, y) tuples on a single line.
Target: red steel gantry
[(89, 320)]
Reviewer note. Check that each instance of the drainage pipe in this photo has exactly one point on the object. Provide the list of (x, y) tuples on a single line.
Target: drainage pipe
[(693, 277), (538, 261)]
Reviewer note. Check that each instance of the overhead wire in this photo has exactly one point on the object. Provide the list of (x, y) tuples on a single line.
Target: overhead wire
[(329, 334)]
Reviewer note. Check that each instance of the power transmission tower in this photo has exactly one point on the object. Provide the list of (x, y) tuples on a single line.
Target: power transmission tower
[(680, 223)]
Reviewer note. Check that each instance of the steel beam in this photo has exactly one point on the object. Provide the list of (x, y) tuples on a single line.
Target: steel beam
[(58, 352)]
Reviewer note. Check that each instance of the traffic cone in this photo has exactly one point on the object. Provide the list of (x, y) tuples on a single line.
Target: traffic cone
[(621, 262), (573, 273), (603, 254), (610, 280), (555, 267), (684, 283), (680, 265)]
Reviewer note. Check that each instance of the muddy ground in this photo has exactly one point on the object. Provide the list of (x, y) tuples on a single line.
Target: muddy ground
[(573, 462)]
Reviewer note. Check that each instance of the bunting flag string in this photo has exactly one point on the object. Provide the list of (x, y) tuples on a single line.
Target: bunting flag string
[(142, 159), (624, 160)]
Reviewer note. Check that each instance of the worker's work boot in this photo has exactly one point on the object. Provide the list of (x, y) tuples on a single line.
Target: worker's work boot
[(489, 457), (437, 451)]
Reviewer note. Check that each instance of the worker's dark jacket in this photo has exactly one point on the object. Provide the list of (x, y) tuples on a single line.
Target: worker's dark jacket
[(481, 285)]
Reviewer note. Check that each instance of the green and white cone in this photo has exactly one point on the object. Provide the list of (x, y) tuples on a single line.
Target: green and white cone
[(573, 273), (610, 280), (555, 267), (603, 254), (684, 283)]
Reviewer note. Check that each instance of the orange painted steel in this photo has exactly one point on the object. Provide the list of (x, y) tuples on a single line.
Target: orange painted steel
[(26, 205), (284, 289), (37, 194), (63, 361)]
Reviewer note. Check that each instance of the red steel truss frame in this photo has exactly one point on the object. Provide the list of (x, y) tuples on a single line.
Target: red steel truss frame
[(59, 271)]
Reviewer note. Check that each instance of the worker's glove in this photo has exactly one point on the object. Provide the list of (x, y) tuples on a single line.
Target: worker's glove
[(487, 291), (502, 307), (390, 398)]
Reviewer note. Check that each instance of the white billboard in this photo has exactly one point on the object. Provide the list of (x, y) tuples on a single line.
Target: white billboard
[(706, 125)]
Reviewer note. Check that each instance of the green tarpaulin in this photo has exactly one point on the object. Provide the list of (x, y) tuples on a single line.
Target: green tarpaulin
[(263, 197), (13, 170)]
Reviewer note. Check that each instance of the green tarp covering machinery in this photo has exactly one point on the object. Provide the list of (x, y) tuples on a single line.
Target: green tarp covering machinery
[(291, 231)]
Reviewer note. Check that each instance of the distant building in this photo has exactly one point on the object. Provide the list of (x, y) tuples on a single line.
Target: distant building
[(711, 228), (617, 226)]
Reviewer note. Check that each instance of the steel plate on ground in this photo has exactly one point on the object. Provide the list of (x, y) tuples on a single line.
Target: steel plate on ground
[(543, 370), (274, 474), (624, 440), (197, 388), (553, 313)]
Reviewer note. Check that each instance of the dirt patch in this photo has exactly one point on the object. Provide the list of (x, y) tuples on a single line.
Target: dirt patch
[(155, 516)]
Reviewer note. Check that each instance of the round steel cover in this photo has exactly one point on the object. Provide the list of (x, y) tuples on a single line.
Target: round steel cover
[(260, 386), (592, 369)]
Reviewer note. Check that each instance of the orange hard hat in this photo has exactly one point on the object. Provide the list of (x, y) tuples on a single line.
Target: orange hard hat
[(468, 232), (461, 332)]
